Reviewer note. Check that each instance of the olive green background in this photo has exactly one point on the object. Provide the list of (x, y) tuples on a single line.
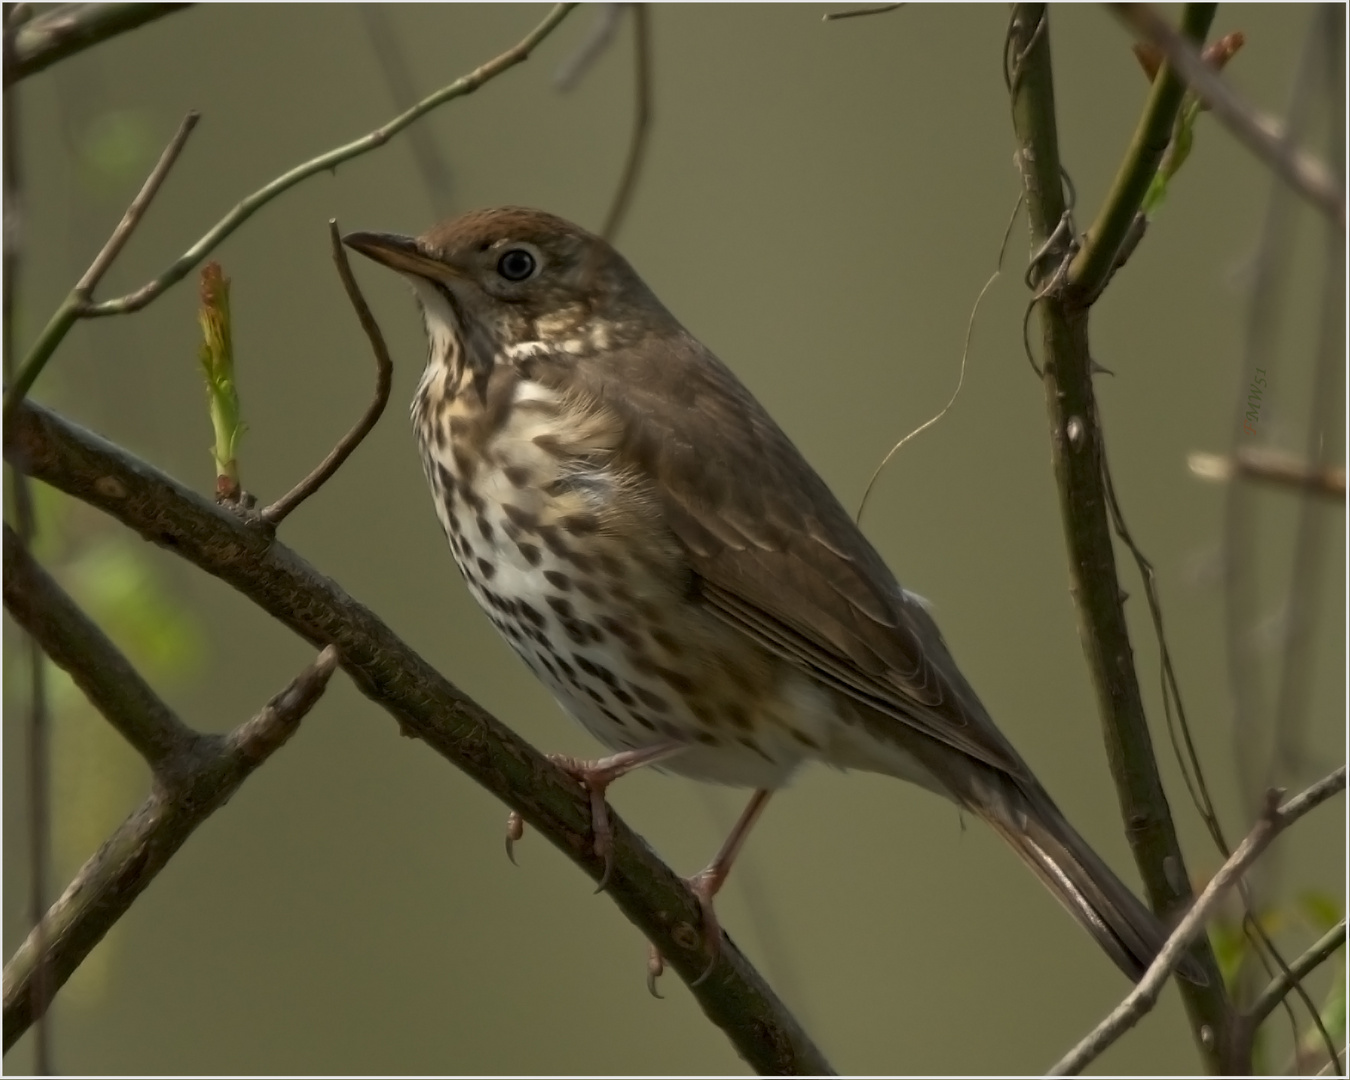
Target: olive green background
[(821, 205)]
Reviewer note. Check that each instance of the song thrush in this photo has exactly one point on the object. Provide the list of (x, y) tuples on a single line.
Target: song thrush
[(665, 560)]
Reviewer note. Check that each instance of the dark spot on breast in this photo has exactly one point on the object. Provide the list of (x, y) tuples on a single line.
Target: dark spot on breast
[(529, 613), (575, 631), (652, 701), (610, 564), (622, 696), (594, 695), (621, 630), (676, 680), (447, 482), (580, 524), (471, 498), (484, 528), (558, 580), (707, 738), (587, 666), (737, 714), (531, 552), (561, 606), (548, 536), (651, 612), (643, 721), (487, 569), (518, 476), (666, 640), (523, 519), (588, 589), (804, 738)]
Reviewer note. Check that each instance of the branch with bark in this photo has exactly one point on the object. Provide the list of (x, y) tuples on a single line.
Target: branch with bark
[(425, 704)]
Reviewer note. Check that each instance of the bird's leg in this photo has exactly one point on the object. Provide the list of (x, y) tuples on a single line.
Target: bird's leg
[(707, 883), (595, 776)]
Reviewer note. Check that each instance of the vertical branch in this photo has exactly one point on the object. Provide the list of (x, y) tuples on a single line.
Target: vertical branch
[(37, 727), (1078, 452)]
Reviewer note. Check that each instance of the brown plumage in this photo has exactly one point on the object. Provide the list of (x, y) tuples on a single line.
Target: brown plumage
[(665, 560)]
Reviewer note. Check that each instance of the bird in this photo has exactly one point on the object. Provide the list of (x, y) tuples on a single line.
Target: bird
[(669, 565)]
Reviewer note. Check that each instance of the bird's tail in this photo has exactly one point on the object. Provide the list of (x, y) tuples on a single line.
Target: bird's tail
[(1026, 817)]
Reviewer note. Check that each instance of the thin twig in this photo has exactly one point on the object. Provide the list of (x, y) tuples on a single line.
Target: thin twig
[(76, 305), (384, 376), (325, 162), (642, 119), (97, 666), (878, 9), (425, 704), (388, 50), (1178, 727), (592, 47), (120, 235), (68, 29), (1260, 134), (1318, 953), (1141, 999), (1096, 261), (1273, 467), (210, 772)]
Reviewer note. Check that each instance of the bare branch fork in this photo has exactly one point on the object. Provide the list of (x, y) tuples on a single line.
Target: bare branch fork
[(192, 776), (1142, 998), (425, 704)]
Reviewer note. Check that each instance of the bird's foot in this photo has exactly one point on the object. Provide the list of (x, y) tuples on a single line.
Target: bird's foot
[(705, 885), (596, 776)]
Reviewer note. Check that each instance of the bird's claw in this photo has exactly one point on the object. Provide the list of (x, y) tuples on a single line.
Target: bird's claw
[(595, 781), (704, 889), (515, 829)]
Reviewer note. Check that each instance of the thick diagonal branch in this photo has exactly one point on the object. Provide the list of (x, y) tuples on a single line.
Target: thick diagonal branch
[(425, 704), (98, 667)]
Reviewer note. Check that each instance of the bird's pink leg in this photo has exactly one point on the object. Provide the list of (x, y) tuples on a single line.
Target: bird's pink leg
[(707, 883), (595, 776)]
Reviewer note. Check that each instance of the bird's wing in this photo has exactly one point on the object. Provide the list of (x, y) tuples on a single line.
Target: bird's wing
[(775, 554)]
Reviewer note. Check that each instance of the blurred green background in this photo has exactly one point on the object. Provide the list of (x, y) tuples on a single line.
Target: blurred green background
[(821, 205)]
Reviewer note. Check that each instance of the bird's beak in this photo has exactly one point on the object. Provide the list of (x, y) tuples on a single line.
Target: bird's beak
[(401, 253)]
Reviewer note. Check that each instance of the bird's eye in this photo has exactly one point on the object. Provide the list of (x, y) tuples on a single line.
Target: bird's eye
[(516, 265)]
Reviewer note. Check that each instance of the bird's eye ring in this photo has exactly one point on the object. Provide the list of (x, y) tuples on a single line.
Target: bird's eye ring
[(517, 264)]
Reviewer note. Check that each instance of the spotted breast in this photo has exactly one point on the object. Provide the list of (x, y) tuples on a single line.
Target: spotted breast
[(566, 554)]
